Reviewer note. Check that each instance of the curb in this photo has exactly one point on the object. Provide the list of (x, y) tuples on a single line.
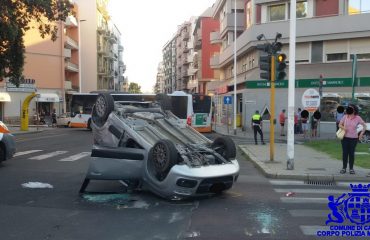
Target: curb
[(305, 177)]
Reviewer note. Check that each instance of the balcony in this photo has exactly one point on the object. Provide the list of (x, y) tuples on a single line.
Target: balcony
[(67, 53), (70, 22), (102, 29), (112, 38), (228, 23), (68, 85), (120, 48), (185, 49), (185, 36), (70, 43), (71, 67), (101, 70), (215, 61), (331, 28), (215, 38), (192, 71)]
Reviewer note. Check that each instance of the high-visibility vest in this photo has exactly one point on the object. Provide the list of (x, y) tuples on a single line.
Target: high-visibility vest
[(256, 118)]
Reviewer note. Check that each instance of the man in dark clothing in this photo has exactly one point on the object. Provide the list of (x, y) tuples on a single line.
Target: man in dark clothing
[(257, 126)]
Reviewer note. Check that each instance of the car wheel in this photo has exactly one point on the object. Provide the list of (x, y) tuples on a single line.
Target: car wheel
[(89, 124), (104, 105), (2, 154), (224, 146), (162, 157)]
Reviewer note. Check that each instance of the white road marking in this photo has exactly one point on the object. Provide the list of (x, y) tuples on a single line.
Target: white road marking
[(303, 200), (48, 155), (312, 230), (307, 213), (347, 184), (26, 152), (308, 190), (286, 182), (75, 157)]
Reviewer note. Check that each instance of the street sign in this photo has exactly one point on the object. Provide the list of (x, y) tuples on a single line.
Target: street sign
[(228, 100), (311, 100)]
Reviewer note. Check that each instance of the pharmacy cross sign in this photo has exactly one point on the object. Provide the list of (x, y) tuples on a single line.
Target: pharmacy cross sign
[(228, 100)]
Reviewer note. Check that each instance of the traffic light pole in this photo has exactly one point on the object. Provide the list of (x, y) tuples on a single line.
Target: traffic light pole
[(272, 106)]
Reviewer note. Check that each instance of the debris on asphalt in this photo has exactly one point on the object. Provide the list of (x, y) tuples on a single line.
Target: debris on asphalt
[(36, 185), (290, 194)]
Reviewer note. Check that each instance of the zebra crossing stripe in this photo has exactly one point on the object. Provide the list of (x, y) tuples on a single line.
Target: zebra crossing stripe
[(307, 213), (312, 230), (75, 157), (309, 190), (286, 182), (26, 152), (48, 155), (303, 200)]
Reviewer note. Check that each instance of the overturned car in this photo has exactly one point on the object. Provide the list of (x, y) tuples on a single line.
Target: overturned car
[(145, 145)]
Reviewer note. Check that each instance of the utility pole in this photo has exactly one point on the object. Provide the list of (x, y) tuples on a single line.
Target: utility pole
[(354, 75), (272, 109)]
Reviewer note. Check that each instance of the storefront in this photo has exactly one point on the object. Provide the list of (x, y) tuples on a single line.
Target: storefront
[(4, 98)]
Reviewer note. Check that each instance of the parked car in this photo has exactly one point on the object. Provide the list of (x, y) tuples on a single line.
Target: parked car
[(7, 143), (154, 148), (64, 119), (366, 137)]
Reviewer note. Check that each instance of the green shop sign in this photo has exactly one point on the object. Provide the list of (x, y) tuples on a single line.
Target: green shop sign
[(310, 83)]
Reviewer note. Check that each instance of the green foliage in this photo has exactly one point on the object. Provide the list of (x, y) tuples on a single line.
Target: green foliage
[(334, 149), (14, 22), (134, 88)]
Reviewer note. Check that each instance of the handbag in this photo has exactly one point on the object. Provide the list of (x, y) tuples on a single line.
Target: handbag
[(340, 133)]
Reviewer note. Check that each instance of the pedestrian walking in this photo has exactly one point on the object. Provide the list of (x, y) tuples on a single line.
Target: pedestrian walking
[(315, 121), (53, 118), (282, 118), (304, 120), (338, 116), (349, 124), (257, 126)]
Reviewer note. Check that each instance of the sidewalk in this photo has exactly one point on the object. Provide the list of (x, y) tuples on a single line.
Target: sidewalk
[(309, 164), (16, 130)]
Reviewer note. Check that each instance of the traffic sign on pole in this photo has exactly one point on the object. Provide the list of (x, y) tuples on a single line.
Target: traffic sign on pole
[(228, 100)]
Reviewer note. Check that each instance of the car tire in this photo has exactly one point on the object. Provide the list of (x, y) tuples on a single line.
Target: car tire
[(104, 105), (224, 146), (162, 157), (2, 154)]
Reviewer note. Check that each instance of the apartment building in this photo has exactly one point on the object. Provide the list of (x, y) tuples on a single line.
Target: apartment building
[(51, 70), (183, 47), (160, 79), (207, 47), (328, 33), (170, 65), (100, 48)]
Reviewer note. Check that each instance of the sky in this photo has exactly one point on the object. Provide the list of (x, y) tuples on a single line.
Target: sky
[(146, 26)]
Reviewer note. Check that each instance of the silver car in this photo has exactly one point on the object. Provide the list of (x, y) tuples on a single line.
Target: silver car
[(7, 143), (152, 147)]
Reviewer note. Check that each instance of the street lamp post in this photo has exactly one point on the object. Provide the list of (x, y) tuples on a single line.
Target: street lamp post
[(79, 56), (235, 103)]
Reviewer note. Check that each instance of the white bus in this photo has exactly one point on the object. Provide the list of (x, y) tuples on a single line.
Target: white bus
[(194, 109), (82, 104)]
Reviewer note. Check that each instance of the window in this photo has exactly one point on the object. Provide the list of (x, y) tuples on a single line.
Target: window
[(358, 6), (336, 57), (248, 15), (316, 52), (276, 12), (363, 56), (301, 11)]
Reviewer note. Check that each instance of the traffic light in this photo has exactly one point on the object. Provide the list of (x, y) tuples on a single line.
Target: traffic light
[(265, 67), (280, 66)]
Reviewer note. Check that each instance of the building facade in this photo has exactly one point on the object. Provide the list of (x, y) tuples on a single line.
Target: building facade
[(328, 33), (170, 65)]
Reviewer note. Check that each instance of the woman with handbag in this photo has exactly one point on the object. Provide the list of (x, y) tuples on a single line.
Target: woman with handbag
[(349, 124)]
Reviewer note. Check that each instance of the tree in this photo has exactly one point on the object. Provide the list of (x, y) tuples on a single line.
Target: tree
[(134, 88), (15, 18)]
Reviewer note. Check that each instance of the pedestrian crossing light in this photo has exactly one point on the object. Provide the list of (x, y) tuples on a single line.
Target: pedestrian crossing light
[(280, 66), (265, 67)]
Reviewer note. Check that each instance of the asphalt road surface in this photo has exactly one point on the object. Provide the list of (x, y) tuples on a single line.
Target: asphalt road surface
[(255, 208)]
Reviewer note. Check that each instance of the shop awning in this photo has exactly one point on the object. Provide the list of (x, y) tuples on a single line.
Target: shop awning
[(4, 97), (48, 97)]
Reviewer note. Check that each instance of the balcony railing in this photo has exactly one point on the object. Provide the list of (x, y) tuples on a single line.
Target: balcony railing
[(70, 43), (67, 53), (68, 85), (185, 36), (69, 66), (229, 21), (71, 21), (215, 61), (215, 37)]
